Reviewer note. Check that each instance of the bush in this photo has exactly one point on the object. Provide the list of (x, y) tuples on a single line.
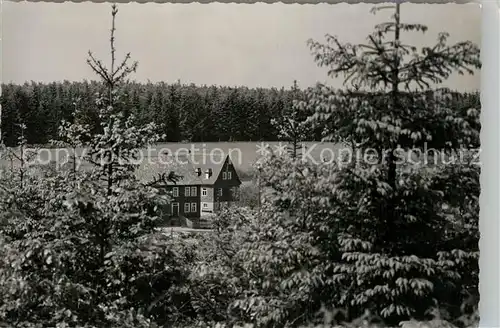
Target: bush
[(248, 195)]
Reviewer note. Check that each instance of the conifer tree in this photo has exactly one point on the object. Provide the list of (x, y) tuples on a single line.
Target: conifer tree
[(73, 136), (115, 150), (291, 125), (393, 102), (87, 242)]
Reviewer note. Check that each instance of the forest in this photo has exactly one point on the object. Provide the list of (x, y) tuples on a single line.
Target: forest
[(185, 113), (385, 244)]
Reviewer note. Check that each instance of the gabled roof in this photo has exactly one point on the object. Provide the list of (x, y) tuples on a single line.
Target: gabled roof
[(184, 166)]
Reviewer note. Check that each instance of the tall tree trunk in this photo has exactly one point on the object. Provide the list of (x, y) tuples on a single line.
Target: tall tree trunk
[(391, 177), (391, 159)]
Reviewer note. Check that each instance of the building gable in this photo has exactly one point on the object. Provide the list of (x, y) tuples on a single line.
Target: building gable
[(228, 174), (194, 170)]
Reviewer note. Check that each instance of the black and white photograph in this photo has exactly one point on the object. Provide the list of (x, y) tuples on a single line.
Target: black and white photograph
[(240, 165)]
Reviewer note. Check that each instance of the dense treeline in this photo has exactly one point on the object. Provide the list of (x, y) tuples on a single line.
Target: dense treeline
[(185, 112)]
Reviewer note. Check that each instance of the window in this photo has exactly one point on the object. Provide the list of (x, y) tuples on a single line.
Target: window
[(186, 207), (205, 205), (175, 191), (229, 175), (193, 191), (203, 191), (219, 192), (187, 191), (193, 207), (224, 175)]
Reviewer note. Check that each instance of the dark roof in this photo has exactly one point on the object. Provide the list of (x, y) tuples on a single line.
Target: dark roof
[(182, 165)]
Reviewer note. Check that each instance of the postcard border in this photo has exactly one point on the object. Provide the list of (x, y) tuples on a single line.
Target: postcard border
[(489, 214)]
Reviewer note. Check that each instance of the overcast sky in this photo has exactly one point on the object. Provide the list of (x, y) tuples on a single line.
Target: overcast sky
[(224, 44)]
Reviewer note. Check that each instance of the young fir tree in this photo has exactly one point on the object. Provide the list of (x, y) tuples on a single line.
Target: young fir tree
[(291, 125), (73, 137), (19, 157), (90, 244), (116, 149), (393, 103)]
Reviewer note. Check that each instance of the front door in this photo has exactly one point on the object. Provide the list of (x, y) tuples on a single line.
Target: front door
[(175, 209)]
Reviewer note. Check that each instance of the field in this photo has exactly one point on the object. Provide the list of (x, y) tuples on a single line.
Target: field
[(243, 154)]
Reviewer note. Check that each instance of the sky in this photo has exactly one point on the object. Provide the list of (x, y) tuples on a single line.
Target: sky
[(257, 45)]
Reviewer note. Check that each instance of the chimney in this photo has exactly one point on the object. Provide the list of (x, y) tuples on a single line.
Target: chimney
[(208, 173), (198, 171)]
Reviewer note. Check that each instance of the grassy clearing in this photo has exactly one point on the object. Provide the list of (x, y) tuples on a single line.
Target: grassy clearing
[(243, 154)]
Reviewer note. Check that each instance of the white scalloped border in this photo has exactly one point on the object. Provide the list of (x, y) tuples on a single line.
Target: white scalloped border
[(303, 2)]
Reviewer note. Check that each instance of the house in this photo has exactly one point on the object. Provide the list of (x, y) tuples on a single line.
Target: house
[(205, 186)]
